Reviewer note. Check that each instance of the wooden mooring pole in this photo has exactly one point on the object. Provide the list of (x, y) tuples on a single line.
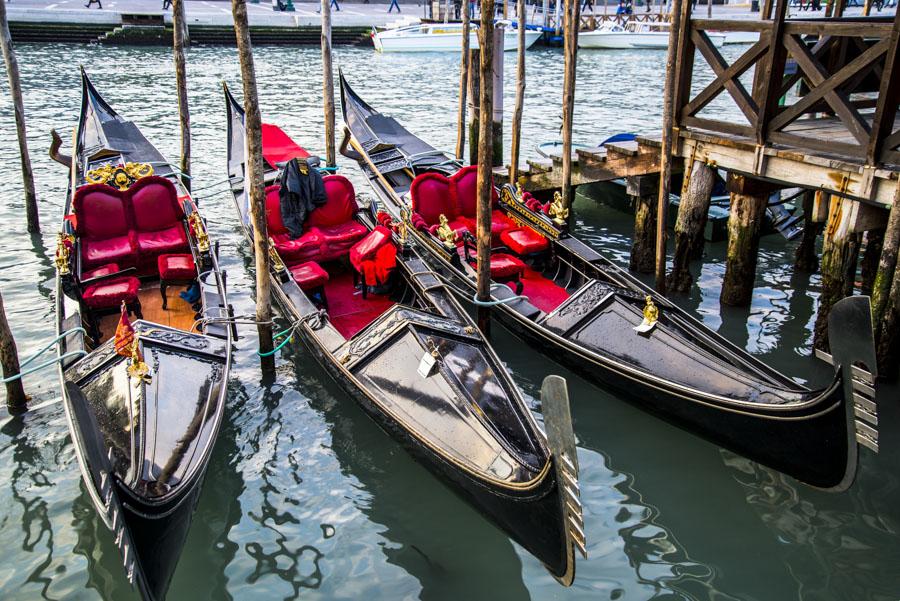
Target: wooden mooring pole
[(520, 97), (184, 116), (570, 54), (497, 96), (9, 358), (693, 211), (15, 90), (805, 257), (643, 190), (473, 101), (485, 162), (328, 84), (886, 296), (255, 186), (747, 212), (868, 266), (463, 84)]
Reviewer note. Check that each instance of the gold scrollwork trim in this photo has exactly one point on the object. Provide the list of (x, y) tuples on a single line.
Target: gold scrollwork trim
[(120, 176)]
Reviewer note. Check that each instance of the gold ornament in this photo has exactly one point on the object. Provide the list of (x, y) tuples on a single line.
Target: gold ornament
[(137, 369), (447, 234), (199, 232), (62, 252), (275, 258), (120, 176), (558, 211)]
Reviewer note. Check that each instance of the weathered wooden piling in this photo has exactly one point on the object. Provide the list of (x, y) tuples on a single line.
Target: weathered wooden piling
[(473, 102), (570, 54), (520, 97), (805, 257), (693, 211), (868, 266), (9, 358), (328, 84), (840, 254), (184, 116), (485, 162), (643, 190), (255, 186), (15, 90), (463, 84), (887, 344), (748, 209), (497, 96), (887, 263)]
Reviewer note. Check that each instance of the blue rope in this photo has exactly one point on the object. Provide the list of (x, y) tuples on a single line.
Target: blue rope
[(49, 362), (493, 303), (328, 169), (283, 342)]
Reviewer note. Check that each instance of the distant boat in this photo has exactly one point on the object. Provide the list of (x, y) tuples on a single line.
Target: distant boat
[(444, 37), (633, 34)]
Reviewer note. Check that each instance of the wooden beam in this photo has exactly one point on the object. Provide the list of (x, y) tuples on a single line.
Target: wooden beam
[(768, 78), (179, 26), (328, 85), (570, 53), (485, 162), (733, 72), (9, 360), (463, 84), (888, 98), (735, 88), (520, 96)]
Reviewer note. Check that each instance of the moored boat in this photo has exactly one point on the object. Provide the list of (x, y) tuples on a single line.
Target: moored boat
[(444, 37), (387, 330), (589, 314), (144, 400), (633, 35)]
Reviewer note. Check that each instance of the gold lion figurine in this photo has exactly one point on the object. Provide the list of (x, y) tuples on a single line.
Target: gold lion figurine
[(445, 233)]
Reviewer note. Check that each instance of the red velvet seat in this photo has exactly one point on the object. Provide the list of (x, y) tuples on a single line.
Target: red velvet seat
[(103, 227), (110, 294), (431, 198), (374, 257), (108, 269), (505, 267), (158, 220), (176, 267), (335, 219), (308, 275), (304, 248), (464, 188), (524, 241)]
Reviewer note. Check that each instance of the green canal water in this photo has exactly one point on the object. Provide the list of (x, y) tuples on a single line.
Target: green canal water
[(306, 498)]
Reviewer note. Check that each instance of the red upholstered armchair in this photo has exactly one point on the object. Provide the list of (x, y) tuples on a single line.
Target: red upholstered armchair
[(103, 227), (431, 198), (464, 189), (304, 248), (158, 220), (374, 258), (335, 219)]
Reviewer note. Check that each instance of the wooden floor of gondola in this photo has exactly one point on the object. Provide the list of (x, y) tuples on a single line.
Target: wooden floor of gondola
[(177, 314)]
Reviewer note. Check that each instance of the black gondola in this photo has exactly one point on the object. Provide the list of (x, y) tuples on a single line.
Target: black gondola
[(597, 319), (143, 417), (389, 333)]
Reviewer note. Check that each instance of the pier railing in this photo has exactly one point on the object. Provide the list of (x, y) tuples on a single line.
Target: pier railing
[(830, 86)]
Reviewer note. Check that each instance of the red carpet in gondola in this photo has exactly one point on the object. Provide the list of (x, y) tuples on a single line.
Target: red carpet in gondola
[(348, 311), (542, 292)]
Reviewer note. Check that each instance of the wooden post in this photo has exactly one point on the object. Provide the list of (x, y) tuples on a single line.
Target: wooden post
[(840, 252), (506, 9), (748, 209), (328, 84), (485, 160), (463, 83), (693, 211), (184, 115), (668, 143), (570, 53), (520, 99), (255, 186), (868, 267), (644, 190), (15, 90), (887, 346), (497, 94), (545, 11), (474, 102), (9, 358), (805, 257), (888, 261)]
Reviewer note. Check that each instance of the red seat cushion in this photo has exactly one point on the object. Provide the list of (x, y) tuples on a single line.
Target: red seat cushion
[(111, 293), (278, 146), (304, 248), (367, 247), (101, 212), (176, 267), (154, 204), (506, 266), (524, 241), (171, 240), (308, 275), (431, 198), (499, 224), (274, 224), (464, 189), (338, 239), (341, 204), (107, 269), (121, 250)]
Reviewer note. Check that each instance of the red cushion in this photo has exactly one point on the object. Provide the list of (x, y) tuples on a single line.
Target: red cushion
[(278, 146), (524, 241), (121, 250), (464, 188), (176, 267), (369, 245), (342, 235), (308, 275), (385, 262), (505, 266), (111, 293), (273, 211), (107, 269), (171, 240), (431, 197), (154, 204), (341, 205), (101, 212), (306, 247)]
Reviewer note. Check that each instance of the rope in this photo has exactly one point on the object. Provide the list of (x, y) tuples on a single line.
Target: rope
[(288, 333), (465, 295), (49, 362), (500, 301)]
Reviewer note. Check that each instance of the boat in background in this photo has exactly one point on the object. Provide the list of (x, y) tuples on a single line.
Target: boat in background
[(391, 335), (633, 35), (445, 37), (569, 301), (143, 401)]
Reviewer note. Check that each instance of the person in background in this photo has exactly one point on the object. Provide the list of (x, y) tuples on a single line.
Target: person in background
[(393, 4), (88, 5), (167, 4)]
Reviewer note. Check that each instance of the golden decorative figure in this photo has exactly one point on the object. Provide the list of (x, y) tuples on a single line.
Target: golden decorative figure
[(137, 368), (651, 316), (122, 176), (62, 253), (275, 258), (519, 190), (403, 225), (447, 234), (558, 211), (199, 232)]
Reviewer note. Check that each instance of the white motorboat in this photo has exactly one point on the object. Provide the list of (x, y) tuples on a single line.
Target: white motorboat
[(633, 34), (443, 37)]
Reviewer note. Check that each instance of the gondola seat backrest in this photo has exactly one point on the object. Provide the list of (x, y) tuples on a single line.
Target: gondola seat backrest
[(103, 226), (464, 188), (431, 198), (375, 256), (292, 251), (335, 220), (158, 220)]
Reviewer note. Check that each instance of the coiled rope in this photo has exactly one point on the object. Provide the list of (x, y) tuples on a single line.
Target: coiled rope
[(49, 362)]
